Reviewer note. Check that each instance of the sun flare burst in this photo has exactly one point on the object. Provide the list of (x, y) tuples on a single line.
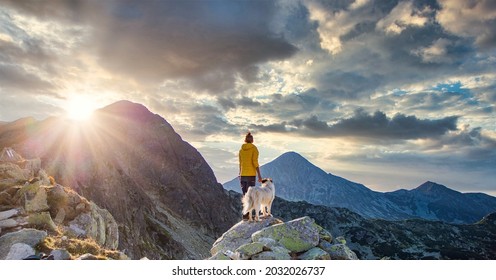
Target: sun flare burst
[(80, 108)]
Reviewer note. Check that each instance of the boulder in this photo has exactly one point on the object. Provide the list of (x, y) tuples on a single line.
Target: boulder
[(9, 213), (57, 197), (341, 252), (12, 171), (20, 251), (8, 223), (246, 251), (60, 216), (42, 221), (30, 237), (297, 235), (87, 257), (5, 198), (240, 234), (35, 199), (276, 253), (98, 224), (220, 256), (325, 235), (60, 254), (340, 240), (315, 254)]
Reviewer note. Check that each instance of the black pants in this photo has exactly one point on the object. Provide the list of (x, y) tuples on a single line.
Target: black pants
[(246, 182)]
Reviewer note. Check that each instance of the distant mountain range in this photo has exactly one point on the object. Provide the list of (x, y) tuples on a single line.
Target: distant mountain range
[(297, 179), (413, 239)]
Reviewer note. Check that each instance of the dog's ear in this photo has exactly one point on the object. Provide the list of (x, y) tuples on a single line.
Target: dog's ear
[(264, 181)]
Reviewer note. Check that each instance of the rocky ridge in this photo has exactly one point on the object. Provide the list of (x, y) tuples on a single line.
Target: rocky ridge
[(273, 239), (37, 215), (130, 161)]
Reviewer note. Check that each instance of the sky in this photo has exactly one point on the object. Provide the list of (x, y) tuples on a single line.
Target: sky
[(389, 94)]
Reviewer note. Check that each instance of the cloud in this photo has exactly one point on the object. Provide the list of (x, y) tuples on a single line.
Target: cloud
[(207, 42), (404, 15), (371, 126), (475, 19)]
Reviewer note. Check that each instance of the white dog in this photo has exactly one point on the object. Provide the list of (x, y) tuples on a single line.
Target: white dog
[(257, 198)]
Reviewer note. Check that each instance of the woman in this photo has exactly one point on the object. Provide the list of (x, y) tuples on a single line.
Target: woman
[(248, 164)]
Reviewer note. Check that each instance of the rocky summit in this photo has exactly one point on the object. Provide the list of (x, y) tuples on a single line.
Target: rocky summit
[(39, 216), (161, 192), (273, 239)]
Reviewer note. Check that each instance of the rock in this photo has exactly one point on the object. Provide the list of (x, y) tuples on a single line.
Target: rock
[(240, 234), (42, 221), (341, 252), (5, 198), (12, 171), (60, 217), (57, 197), (297, 235), (98, 224), (87, 256), (60, 254), (81, 207), (36, 200), (315, 254), (325, 235), (247, 250), (9, 213), (340, 240), (30, 237), (20, 251), (8, 223), (108, 232), (276, 253), (268, 242), (220, 256)]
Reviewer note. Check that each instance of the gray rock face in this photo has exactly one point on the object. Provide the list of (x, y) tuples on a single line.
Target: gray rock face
[(298, 235), (341, 252), (30, 237), (60, 255), (315, 254), (19, 251), (240, 234), (36, 200), (50, 208), (296, 239)]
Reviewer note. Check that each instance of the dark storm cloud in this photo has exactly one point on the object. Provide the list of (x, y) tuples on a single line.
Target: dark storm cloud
[(156, 40), (364, 125)]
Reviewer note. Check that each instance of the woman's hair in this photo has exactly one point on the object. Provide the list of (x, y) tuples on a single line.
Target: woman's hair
[(249, 138)]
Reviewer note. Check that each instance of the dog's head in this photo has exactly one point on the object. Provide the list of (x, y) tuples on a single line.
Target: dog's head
[(267, 181)]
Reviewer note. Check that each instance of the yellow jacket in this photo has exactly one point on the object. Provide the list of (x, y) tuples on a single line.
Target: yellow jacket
[(248, 160)]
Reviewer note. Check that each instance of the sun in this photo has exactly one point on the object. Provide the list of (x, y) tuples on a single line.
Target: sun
[(80, 108)]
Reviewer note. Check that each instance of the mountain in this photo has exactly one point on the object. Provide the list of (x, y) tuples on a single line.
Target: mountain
[(437, 202), (412, 239), (297, 179), (161, 192)]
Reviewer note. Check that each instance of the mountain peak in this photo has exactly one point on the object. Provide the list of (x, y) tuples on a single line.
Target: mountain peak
[(128, 109), (432, 188), (291, 155)]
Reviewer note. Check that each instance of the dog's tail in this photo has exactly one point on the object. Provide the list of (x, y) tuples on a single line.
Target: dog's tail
[(248, 202)]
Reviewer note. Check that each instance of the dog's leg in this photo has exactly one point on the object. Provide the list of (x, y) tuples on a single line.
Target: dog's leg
[(257, 210), (269, 206)]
